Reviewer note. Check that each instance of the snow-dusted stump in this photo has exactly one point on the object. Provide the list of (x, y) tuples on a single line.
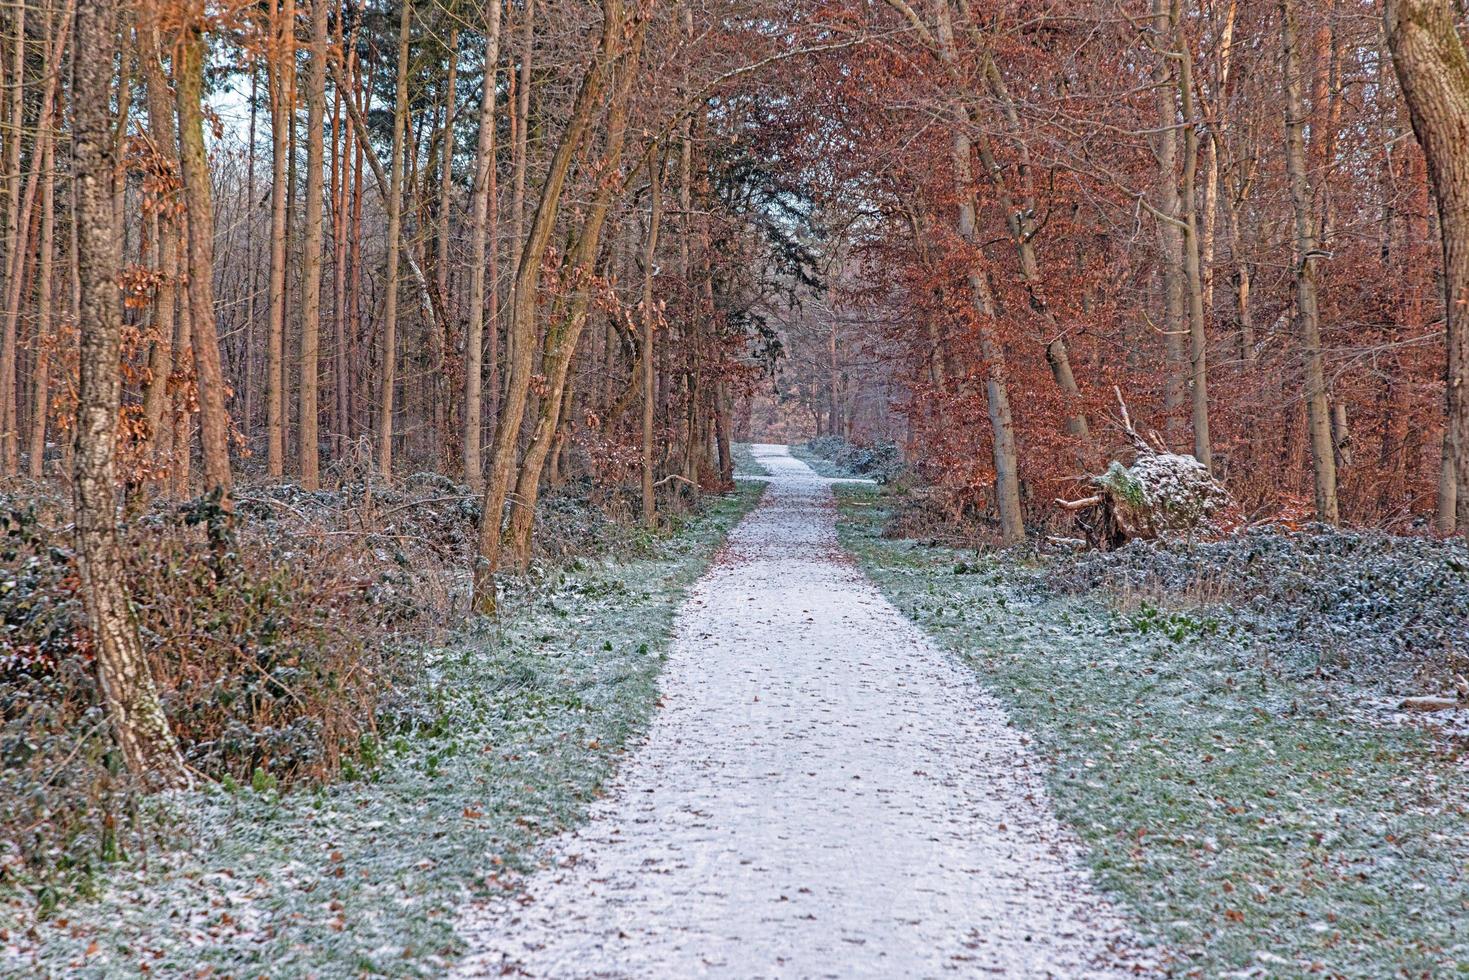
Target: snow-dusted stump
[(824, 794)]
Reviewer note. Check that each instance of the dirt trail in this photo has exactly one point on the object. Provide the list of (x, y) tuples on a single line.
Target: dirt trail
[(823, 794)]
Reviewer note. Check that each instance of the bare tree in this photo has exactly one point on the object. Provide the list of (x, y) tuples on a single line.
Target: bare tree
[(479, 235), (1308, 316), (650, 322), (394, 232), (521, 333), (311, 286), (281, 73), (214, 421)]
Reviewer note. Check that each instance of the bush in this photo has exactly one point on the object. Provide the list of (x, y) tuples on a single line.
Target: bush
[(274, 658), (1378, 607), (264, 660), (882, 461)]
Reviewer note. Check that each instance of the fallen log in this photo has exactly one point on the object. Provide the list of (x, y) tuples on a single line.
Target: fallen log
[(1430, 703)]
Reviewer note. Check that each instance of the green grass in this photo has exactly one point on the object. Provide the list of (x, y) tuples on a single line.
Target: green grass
[(1246, 821), (505, 739)]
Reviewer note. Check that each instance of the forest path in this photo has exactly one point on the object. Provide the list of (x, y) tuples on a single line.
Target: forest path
[(823, 794)]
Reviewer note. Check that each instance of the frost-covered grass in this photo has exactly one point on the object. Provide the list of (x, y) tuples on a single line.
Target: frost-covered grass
[(745, 463), (822, 465), (1253, 825), (508, 735)]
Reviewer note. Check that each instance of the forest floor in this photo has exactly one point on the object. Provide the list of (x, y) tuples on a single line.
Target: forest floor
[(1241, 786), (506, 737)]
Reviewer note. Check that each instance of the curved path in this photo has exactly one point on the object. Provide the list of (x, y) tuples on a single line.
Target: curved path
[(823, 794)]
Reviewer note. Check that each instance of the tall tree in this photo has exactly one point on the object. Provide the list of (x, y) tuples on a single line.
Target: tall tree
[(311, 274), (214, 423), (1433, 69), (395, 234), (280, 69), (165, 236), (480, 235), (650, 325), (1308, 315), (132, 699), (521, 331)]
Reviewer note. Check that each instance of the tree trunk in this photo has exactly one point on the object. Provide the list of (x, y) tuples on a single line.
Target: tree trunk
[(1433, 69), (41, 378), (307, 422), (1022, 225), (1169, 232), (127, 687), (1318, 418), (566, 328), (395, 228), (1002, 426), (214, 423), (165, 245), (479, 238), (519, 123), (358, 389), (183, 361), (16, 245), (280, 67), (650, 325), (9, 392), (522, 327), (1192, 270), (341, 154)]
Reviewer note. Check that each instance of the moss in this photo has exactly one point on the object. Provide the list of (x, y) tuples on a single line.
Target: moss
[(1123, 485)]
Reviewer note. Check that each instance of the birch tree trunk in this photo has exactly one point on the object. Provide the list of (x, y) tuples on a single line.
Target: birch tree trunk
[(131, 697)]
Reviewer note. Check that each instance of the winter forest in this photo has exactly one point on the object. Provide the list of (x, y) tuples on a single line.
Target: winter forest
[(514, 487)]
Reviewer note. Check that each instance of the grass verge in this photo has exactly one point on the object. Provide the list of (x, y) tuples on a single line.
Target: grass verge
[(506, 737), (822, 465), (1252, 829)]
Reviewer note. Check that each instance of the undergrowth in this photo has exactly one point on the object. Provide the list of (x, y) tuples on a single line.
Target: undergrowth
[(276, 657), (490, 743), (1250, 821)]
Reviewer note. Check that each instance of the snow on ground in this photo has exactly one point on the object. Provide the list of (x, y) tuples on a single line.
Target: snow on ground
[(823, 794)]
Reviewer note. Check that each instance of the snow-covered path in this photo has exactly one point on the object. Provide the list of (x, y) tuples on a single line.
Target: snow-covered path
[(823, 794)]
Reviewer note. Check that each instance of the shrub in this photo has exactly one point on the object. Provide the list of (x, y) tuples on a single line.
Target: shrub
[(882, 461)]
